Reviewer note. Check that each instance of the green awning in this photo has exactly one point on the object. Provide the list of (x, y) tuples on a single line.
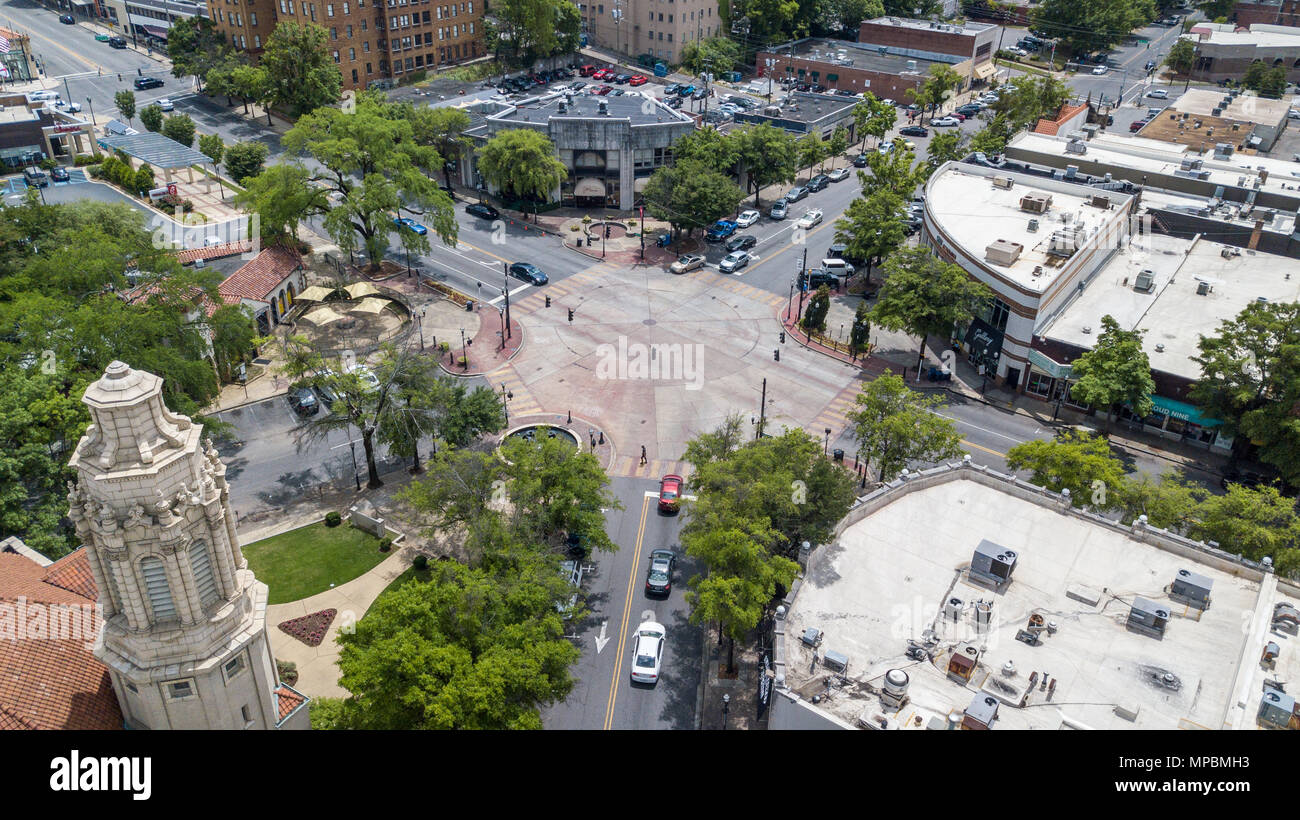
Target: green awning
[(1182, 411)]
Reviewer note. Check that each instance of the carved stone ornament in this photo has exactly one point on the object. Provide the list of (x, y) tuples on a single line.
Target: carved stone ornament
[(163, 510), (106, 518), (135, 517), (174, 545)]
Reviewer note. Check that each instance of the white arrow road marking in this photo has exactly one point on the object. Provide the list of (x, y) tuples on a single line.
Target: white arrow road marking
[(602, 640)]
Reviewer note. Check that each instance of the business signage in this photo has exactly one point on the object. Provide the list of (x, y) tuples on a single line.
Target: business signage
[(67, 129), (1057, 371), (764, 683)]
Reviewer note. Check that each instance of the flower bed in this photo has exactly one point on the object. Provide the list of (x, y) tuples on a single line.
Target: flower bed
[(310, 629)]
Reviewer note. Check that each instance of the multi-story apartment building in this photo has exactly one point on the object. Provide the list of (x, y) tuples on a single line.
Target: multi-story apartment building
[(373, 41), (656, 27), (146, 22)]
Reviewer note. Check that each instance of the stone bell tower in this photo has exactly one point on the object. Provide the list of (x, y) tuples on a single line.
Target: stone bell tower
[(184, 633)]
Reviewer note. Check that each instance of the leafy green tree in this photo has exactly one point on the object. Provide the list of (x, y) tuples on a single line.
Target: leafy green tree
[(895, 171), (244, 160), (125, 103), (770, 21), (1085, 26), (428, 406), (860, 335), (471, 649), (993, 137), (1169, 502), (376, 169), (302, 75), (442, 128), (811, 150), (194, 46), (253, 84), (180, 128), (945, 147), (846, 15), (767, 154), (937, 87), (837, 145), (1268, 82), (710, 147), (1182, 56), (1214, 9), (1033, 99), (715, 54), (152, 118), (1250, 381), (233, 337), (690, 195), (894, 426), (212, 147), (144, 179), (814, 316), (554, 487), (1116, 371), (521, 163), (874, 117), (924, 295), (283, 196), (1255, 522), (1077, 461)]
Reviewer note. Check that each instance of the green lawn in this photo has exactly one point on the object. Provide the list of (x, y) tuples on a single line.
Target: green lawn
[(307, 560)]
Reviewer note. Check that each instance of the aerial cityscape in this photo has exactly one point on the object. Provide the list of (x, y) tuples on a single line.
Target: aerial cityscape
[(915, 365)]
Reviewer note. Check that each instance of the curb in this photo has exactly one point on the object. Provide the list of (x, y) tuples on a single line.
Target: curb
[(248, 403), (499, 365)]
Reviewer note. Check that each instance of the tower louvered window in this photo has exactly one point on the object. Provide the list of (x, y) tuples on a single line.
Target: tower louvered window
[(201, 566), (157, 590)]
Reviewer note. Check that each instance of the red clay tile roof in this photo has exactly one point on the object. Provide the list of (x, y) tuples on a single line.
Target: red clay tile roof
[(215, 252), (259, 278), (48, 683), (1051, 127), (288, 700), (143, 292)]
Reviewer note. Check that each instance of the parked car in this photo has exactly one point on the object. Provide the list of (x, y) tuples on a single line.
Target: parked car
[(1158, 93), (647, 652), (814, 279), (747, 218), (741, 243), (914, 131), (779, 209), (687, 262), (700, 94), (818, 183), (143, 83), (622, 79), (670, 492), (685, 90), (67, 19), (35, 177), (638, 80), (838, 267), (165, 104), (603, 90), (117, 42), (71, 108), (945, 122), (838, 175), (1137, 125), (795, 194), (809, 219), (860, 161), (970, 108), (369, 381), (482, 211), (102, 38), (659, 578), (671, 89), (674, 102), (60, 174), (303, 402), (406, 223), (528, 272), (577, 85), (1150, 65), (1100, 70), (734, 261), (720, 230), (587, 71)]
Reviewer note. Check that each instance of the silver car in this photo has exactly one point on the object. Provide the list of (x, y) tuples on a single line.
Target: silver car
[(734, 261), (779, 209)]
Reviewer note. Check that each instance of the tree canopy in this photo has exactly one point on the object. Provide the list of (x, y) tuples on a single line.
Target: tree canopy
[(521, 163), (894, 426), (301, 74), (690, 195)]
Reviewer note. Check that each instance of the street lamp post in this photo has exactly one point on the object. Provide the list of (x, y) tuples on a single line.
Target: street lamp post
[(352, 445), (826, 450), (419, 326), (642, 211), (91, 103), (506, 396), (464, 356), (506, 291)]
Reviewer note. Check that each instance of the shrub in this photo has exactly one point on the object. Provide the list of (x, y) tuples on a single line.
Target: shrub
[(574, 228), (49, 164), (631, 223), (333, 519), (444, 346), (460, 360), (144, 179), (421, 561), (385, 544), (82, 160), (586, 219)]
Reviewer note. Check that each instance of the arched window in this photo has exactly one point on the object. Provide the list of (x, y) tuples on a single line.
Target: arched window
[(157, 590), (201, 566)]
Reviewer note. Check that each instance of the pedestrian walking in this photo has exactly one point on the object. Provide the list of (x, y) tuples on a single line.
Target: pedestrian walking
[(643, 458)]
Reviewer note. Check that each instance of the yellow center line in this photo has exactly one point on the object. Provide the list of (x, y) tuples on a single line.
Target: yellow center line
[(480, 250), (74, 55), (790, 244), (627, 612), (985, 449)]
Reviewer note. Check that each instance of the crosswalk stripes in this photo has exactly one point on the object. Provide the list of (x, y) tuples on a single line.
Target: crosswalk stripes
[(741, 289), (835, 414), (631, 467), (522, 401)]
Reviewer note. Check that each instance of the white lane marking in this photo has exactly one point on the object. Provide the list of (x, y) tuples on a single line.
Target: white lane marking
[(977, 427), (512, 293)]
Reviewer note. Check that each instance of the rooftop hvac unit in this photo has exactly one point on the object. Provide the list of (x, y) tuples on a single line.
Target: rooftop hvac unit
[(1145, 283), (1148, 617), (1035, 202), (962, 662), (1003, 252), (836, 661), (1076, 147), (811, 636), (604, 107), (1192, 589), (563, 108), (1190, 164), (1276, 710), (911, 65), (1202, 288), (1064, 242), (993, 563), (1004, 182), (1033, 226), (981, 713), (1071, 171), (1100, 201)]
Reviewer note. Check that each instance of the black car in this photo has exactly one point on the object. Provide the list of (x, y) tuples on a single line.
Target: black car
[(817, 278), (700, 93), (969, 109), (860, 161), (622, 78), (1246, 478), (795, 194), (303, 402), (741, 243), (913, 131), (529, 273), (674, 102), (578, 85), (60, 174), (117, 42), (67, 19), (818, 183), (142, 83), (482, 211), (659, 579)]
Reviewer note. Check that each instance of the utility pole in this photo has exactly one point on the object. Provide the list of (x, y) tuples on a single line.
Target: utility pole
[(762, 411), (506, 290)]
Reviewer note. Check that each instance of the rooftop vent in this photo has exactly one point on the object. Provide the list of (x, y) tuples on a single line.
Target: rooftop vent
[(1003, 252), (563, 108), (1076, 147), (1100, 201), (1004, 182), (1146, 282), (1148, 617), (604, 107), (811, 636), (1035, 202), (1202, 288)]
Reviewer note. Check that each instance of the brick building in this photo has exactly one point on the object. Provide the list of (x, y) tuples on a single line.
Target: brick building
[(1268, 12), (930, 40), (373, 42), (656, 27), (1225, 52)]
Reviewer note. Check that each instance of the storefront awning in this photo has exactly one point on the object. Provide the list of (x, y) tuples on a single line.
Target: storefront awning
[(984, 71), (589, 187), (638, 184), (985, 341), (1182, 411)]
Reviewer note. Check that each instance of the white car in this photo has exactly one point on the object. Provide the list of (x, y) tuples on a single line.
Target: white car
[(165, 104), (945, 122), (747, 218), (734, 261), (367, 376), (1159, 93), (647, 652), (71, 108), (1100, 70), (1293, 114), (1018, 51), (839, 174), (809, 219)]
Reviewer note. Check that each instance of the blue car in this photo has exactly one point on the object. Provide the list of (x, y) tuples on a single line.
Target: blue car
[(410, 225), (720, 230), (686, 91)]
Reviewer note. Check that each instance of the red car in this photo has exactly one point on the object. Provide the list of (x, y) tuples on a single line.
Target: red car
[(587, 70), (1137, 126), (604, 74), (670, 491), (603, 90), (637, 80)]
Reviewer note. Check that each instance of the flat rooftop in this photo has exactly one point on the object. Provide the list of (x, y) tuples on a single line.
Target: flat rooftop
[(888, 578), (858, 55), (1259, 35), (973, 212), (1200, 132), (13, 114), (1244, 107), (632, 105), (1233, 213), (804, 107), (968, 28), (1150, 156)]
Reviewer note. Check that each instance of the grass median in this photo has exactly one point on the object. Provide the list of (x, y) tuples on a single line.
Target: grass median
[(305, 561)]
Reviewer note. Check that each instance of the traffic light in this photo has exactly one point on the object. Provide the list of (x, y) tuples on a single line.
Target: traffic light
[(548, 301), (607, 232), (783, 337), (138, 71), (119, 78), (776, 354), (570, 315)]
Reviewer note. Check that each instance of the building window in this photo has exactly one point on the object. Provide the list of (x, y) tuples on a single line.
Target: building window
[(247, 715), (252, 16), (670, 36), (368, 69), (998, 314), (179, 689), (352, 55), (334, 34), (329, 9), (425, 17), (365, 49), (257, 41), (336, 56), (349, 31), (131, 688), (201, 568), (363, 24), (157, 589), (233, 667), (346, 10), (312, 7)]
